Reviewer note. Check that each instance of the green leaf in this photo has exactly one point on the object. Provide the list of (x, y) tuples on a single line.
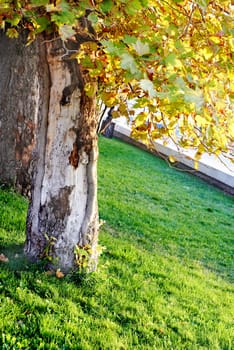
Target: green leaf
[(39, 2), (144, 3), (15, 20), (61, 18), (43, 23), (93, 18), (112, 47), (128, 63), (133, 6), (106, 5), (180, 83), (129, 39), (66, 31), (196, 97), (203, 4), (61, 6), (170, 60), (141, 48), (148, 86)]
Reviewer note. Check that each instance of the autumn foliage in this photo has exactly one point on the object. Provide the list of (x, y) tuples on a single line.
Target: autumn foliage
[(172, 58)]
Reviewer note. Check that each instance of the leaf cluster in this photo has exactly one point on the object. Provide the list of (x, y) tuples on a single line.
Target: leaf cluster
[(173, 59)]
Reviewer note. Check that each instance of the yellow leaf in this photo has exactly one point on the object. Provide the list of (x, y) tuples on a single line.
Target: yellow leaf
[(215, 39), (12, 33), (109, 98), (141, 119), (207, 53), (90, 89), (116, 114), (123, 109), (196, 165), (59, 274), (201, 121), (172, 159), (53, 8)]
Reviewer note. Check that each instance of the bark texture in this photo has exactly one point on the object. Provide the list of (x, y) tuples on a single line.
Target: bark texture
[(19, 104), (62, 154)]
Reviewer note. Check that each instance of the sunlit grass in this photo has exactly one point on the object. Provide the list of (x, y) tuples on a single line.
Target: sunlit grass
[(164, 280)]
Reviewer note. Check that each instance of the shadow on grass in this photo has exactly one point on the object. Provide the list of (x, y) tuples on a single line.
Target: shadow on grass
[(17, 260), (18, 264)]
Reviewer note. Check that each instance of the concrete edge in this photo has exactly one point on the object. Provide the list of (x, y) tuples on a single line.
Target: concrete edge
[(183, 162)]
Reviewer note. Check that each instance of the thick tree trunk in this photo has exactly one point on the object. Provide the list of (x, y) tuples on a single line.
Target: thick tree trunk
[(19, 104), (63, 211)]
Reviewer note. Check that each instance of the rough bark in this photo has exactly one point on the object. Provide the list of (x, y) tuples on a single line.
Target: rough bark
[(63, 207), (19, 104)]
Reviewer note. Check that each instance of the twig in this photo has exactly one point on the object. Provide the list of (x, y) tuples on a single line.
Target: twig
[(185, 31)]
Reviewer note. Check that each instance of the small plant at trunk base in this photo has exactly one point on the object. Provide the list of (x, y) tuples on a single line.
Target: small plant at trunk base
[(47, 253), (82, 255)]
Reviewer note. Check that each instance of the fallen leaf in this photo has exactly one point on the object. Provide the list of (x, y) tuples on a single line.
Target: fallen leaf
[(172, 159), (59, 274), (3, 258)]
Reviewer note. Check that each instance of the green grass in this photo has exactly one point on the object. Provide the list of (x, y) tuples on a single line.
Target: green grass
[(165, 279)]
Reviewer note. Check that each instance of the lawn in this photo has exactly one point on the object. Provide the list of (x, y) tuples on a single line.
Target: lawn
[(165, 277)]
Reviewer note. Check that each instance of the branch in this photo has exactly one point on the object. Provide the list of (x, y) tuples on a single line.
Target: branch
[(185, 31)]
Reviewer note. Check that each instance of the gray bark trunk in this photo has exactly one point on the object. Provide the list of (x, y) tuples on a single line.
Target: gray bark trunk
[(63, 153)]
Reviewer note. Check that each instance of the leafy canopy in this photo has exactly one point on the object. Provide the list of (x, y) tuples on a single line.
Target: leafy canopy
[(172, 58)]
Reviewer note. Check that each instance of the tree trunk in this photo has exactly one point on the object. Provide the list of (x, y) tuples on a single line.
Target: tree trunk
[(19, 103), (62, 213)]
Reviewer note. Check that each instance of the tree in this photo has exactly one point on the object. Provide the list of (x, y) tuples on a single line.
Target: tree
[(174, 59)]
